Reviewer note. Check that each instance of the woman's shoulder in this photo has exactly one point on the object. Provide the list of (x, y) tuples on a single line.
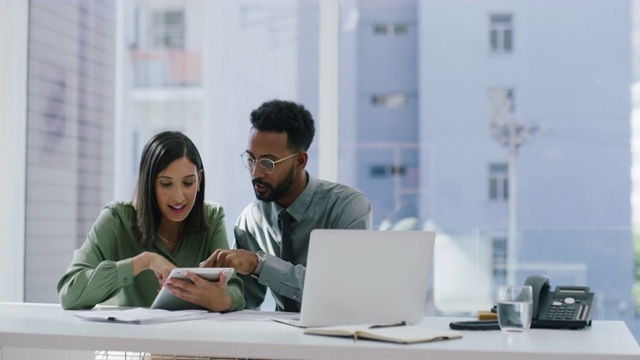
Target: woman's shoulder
[(120, 206), (121, 209), (116, 217), (213, 210)]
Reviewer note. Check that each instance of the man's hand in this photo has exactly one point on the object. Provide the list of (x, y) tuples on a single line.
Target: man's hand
[(210, 295), (245, 262)]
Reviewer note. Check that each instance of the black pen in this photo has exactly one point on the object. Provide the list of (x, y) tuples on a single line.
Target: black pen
[(402, 323)]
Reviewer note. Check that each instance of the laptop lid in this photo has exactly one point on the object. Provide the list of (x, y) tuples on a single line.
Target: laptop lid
[(366, 276)]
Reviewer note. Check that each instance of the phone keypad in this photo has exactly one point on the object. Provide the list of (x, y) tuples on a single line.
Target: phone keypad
[(560, 310)]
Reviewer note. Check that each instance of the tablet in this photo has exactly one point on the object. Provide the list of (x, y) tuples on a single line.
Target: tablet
[(167, 301)]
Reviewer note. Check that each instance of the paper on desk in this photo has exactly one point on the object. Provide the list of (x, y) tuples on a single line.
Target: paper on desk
[(143, 315)]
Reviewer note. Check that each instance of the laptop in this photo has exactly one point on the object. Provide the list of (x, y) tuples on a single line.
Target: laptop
[(365, 277)]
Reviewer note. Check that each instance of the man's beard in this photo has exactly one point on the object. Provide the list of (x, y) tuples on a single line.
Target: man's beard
[(277, 192)]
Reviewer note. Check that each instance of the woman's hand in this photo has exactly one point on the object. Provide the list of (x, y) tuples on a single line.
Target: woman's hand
[(160, 266), (208, 294)]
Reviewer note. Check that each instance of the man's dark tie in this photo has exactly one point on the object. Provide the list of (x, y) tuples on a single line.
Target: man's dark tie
[(286, 250), (286, 253)]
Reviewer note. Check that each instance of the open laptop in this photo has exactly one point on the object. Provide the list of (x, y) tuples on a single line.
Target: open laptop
[(365, 277)]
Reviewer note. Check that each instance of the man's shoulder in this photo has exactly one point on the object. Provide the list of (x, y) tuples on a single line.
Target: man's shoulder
[(335, 189), (255, 211)]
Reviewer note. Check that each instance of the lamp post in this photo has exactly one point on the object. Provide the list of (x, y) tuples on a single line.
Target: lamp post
[(506, 130)]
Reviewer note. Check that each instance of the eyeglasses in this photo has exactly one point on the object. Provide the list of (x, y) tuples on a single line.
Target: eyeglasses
[(266, 165)]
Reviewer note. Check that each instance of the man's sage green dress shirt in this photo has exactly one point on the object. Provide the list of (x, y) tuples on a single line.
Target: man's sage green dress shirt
[(321, 205)]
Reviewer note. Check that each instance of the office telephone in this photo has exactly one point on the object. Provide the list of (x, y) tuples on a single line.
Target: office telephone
[(566, 307)]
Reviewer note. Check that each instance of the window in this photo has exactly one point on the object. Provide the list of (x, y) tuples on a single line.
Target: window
[(380, 29), (398, 29), (499, 255), (498, 182), (389, 100), (168, 29), (501, 33), (377, 57)]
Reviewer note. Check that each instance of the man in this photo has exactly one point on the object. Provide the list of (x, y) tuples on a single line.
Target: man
[(276, 157)]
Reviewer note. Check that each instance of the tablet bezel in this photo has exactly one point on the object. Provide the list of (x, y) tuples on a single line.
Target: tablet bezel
[(167, 301)]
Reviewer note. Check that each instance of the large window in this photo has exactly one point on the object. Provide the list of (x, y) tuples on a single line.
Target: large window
[(502, 155), (416, 132)]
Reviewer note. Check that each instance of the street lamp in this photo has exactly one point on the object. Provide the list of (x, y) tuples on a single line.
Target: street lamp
[(509, 132)]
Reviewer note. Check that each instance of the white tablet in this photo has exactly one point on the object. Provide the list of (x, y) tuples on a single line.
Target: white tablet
[(167, 301)]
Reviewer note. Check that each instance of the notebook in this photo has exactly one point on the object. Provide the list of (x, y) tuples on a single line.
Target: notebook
[(365, 277), (399, 333)]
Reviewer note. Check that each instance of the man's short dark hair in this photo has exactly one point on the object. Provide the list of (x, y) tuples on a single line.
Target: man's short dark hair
[(286, 116)]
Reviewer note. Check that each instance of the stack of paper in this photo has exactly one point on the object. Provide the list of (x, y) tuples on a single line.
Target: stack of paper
[(143, 315)]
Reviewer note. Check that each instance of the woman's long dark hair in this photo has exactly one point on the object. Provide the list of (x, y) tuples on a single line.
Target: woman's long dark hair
[(157, 154)]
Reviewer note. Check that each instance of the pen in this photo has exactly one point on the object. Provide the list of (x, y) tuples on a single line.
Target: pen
[(402, 323)]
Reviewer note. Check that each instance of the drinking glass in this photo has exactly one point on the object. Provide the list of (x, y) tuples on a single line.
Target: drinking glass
[(515, 307)]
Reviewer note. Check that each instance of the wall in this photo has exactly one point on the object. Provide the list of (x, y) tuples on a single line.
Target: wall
[(69, 133), (13, 65)]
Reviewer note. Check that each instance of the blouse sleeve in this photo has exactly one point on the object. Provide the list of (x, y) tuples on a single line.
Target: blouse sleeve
[(92, 276)]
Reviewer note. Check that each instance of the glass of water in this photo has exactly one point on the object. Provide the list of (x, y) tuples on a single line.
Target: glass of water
[(515, 307)]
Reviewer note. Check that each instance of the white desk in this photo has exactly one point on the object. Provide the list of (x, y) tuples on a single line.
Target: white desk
[(27, 329)]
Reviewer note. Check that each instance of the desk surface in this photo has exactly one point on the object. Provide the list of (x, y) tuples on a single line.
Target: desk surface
[(47, 326)]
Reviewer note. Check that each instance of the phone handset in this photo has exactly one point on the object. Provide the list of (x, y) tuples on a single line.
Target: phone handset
[(540, 290)]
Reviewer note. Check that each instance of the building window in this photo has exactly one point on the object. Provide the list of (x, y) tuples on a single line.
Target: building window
[(382, 171), (168, 29), (499, 255), (380, 29), (498, 182), (383, 29), (400, 29), (389, 100), (501, 33)]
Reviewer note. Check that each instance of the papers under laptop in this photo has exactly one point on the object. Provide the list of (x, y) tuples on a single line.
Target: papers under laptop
[(365, 277)]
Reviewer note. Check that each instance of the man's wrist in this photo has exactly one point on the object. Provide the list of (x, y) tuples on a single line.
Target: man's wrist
[(262, 258)]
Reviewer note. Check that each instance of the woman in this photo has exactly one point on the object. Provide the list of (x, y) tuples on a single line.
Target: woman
[(168, 225)]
